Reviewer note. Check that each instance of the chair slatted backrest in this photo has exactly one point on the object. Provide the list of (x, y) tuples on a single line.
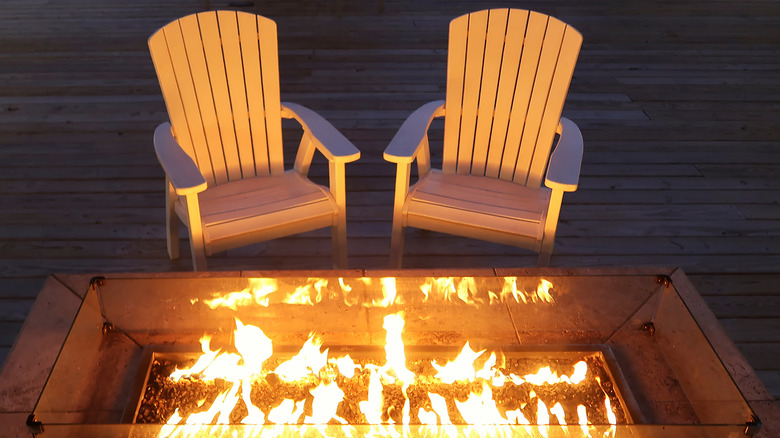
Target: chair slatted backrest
[(219, 75), (508, 73)]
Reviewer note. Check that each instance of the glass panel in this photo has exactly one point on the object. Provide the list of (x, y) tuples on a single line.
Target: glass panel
[(96, 372), (708, 386), (92, 371), (280, 431)]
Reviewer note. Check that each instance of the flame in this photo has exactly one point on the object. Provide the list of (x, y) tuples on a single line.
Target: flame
[(545, 375), (309, 359), (288, 412), (481, 409), (462, 368), (580, 372), (170, 427), (309, 293), (405, 417), (254, 415), (557, 410), (427, 417), (349, 299), (203, 362), (372, 407), (312, 365), (610, 414), (345, 365), (582, 418), (253, 346), (222, 400), (394, 348), (517, 417), (389, 293), (256, 293), (327, 397), (439, 405), (611, 418), (450, 289), (542, 293), (490, 373), (542, 415), (446, 288)]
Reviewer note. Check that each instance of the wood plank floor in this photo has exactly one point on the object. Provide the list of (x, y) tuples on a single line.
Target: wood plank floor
[(678, 103)]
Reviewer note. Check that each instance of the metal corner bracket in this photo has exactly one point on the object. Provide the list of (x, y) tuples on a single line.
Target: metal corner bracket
[(664, 280), (97, 281), (753, 425), (35, 426)]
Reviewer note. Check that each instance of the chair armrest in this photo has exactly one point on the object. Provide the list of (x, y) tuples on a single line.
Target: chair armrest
[(409, 139), (181, 170), (325, 136), (563, 171)]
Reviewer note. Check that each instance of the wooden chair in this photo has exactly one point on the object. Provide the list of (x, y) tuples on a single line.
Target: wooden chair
[(222, 150), (508, 72)]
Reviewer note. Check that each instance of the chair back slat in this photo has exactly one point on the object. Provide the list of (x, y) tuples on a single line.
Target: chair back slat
[(234, 74), (456, 68), (269, 50), (216, 84), (508, 74), (513, 49), (564, 70), (491, 68), (204, 94), (475, 52), (219, 75), (255, 86), (170, 59)]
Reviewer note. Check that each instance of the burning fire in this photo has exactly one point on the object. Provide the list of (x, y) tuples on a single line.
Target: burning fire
[(260, 291), (313, 366), (392, 395)]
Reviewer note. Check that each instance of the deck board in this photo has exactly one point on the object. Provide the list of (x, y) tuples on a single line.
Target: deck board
[(677, 101)]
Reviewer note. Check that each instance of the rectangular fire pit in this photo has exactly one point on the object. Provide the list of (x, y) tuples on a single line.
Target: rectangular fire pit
[(657, 373)]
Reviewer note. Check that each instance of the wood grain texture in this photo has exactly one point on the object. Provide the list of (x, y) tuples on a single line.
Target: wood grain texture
[(677, 103)]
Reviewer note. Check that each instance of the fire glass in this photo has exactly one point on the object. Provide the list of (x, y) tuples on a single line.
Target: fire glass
[(675, 381)]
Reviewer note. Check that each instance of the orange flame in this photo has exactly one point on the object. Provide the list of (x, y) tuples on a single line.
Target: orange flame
[(446, 288), (256, 293), (462, 368), (394, 349), (450, 289), (542, 293), (311, 362)]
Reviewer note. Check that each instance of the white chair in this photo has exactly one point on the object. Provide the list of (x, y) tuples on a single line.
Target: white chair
[(222, 150), (508, 73)]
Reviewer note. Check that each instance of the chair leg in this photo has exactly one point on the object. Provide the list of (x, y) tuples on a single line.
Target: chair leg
[(195, 227), (198, 251), (397, 245), (544, 254), (338, 189), (339, 236), (550, 227), (171, 222)]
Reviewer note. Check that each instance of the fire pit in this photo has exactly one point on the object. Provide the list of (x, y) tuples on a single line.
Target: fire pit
[(409, 354)]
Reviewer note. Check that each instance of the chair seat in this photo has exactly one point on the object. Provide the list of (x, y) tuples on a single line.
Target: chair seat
[(262, 208), (478, 207)]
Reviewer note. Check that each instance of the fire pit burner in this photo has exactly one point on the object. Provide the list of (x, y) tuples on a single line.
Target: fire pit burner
[(158, 396), (671, 375)]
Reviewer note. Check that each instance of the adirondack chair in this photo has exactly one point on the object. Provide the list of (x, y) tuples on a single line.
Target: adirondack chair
[(508, 73), (222, 150)]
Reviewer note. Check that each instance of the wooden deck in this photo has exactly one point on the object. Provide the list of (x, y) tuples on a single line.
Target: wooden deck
[(678, 103)]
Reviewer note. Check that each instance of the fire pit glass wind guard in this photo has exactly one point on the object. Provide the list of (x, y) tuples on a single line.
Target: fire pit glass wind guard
[(668, 379)]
